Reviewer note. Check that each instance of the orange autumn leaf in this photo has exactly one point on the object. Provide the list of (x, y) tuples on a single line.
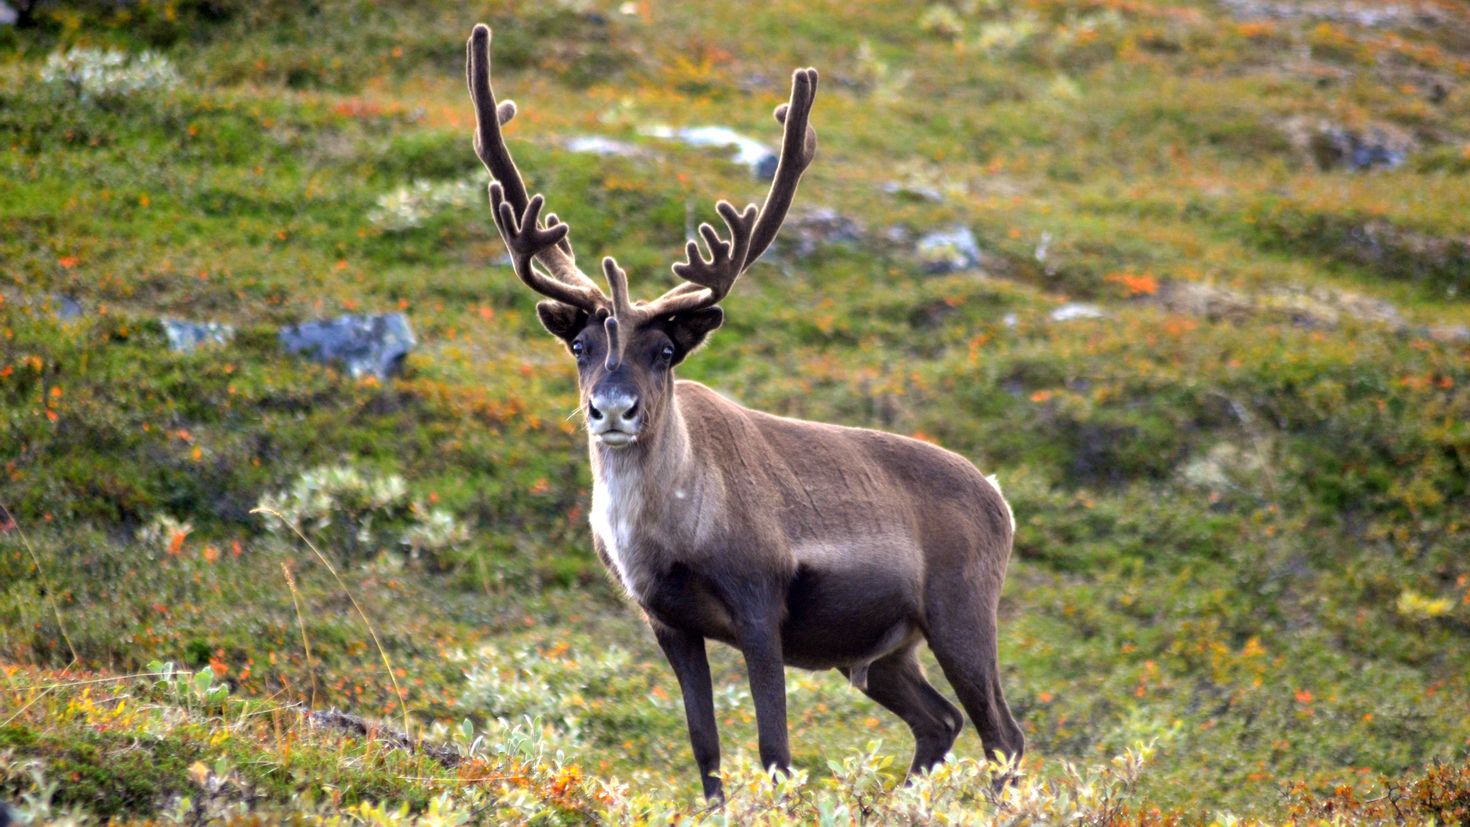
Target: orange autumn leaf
[(68, 262), (176, 542), (1135, 283)]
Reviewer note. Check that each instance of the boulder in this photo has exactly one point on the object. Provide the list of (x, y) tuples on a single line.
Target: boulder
[(361, 345)]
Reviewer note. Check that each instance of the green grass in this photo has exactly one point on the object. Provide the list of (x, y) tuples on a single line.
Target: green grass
[(1242, 521)]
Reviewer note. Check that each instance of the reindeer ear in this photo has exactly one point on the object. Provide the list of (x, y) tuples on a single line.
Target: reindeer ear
[(689, 329), (563, 320)]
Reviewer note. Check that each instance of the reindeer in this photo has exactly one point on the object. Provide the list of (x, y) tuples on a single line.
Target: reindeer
[(800, 543)]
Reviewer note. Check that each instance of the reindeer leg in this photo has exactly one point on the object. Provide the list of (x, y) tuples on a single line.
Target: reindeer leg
[(759, 638), (686, 654), (962, 634), (897, 683)]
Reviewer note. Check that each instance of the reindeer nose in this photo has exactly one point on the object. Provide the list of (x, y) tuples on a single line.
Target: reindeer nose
[(620, 409)]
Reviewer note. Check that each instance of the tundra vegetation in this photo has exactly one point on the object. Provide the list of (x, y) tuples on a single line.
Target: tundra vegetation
[(1214, 344)]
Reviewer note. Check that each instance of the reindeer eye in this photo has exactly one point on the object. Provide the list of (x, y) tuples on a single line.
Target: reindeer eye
[(577, 348), (667, 354)]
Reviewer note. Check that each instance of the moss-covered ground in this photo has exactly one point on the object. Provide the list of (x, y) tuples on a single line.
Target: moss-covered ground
[(1243, 489)]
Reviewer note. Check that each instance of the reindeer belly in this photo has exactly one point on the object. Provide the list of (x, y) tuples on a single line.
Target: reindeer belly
[(847, 617)]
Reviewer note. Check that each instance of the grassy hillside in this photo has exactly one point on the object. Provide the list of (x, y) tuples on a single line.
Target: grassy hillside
[(1216, 345)]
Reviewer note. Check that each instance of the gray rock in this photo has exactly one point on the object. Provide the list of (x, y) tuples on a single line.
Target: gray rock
[(1072, 311), (949, 250), (185, 337), (1335, 147), (749, 152), (1450, 333), (63, 307), (362, 345), (758, 82), (55, 305), (898, 235), (599, 145), (917, 192), (1043, 247), (1375, 15), (804, 233)]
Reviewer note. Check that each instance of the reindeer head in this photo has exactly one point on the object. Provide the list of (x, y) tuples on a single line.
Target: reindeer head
[(625, 350)]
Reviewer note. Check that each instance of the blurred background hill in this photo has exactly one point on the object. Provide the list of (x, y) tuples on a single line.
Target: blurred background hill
[(1193, 278)]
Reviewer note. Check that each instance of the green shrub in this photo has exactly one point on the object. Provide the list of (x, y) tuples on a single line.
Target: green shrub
[(361, 514)]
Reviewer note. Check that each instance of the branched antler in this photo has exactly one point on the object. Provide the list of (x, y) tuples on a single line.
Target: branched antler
[(525, 238), (708, 281), (516, 215), (532, 240)]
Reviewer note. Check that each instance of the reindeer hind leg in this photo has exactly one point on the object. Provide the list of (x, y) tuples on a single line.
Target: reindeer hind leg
[(961, 627), (897, 683)]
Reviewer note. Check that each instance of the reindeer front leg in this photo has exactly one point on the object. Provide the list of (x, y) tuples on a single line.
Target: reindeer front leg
[(760, 641), (686, 653)]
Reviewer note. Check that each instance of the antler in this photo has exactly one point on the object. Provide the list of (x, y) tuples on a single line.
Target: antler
[(529, 239), (708, 281)]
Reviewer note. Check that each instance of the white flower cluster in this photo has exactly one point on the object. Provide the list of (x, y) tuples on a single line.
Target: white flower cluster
[(408, 207), (100, 75)]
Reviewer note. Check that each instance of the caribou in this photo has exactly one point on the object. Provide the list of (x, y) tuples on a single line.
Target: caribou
[(798, 543)]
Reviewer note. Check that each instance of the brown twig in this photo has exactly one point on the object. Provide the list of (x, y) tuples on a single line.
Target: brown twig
[(383, 653), (301, 623), (45, 583)]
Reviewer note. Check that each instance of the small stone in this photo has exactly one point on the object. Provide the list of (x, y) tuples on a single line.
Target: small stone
[(949, 250), (806, 232), (599, 145), (916, 192), (363, 345), (1457, 333), (753, 154), (1335, 147), (898, 235), (65, 308), (1077, 310), (185, 337)]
